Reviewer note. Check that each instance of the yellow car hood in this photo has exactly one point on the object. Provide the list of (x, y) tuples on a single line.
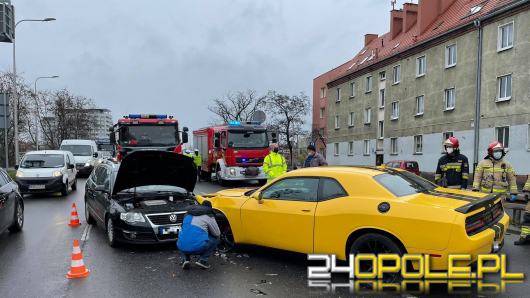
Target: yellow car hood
[(446, 198), (234, 192)]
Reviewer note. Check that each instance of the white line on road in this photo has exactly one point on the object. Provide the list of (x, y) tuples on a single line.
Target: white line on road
[(86, 233)]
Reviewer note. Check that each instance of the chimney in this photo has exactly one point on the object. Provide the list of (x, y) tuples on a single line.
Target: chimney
[(368, 38), (396, 23), (410, 15), (429, 10)]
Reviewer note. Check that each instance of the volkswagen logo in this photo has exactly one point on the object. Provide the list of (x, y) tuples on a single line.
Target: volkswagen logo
[(173, 218)]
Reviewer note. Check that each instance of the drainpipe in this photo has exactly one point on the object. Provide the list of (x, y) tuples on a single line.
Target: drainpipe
[(478, 84)]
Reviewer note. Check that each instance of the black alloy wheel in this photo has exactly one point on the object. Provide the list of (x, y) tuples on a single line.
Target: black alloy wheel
[(373, 243), (226, 240), (74, 185), (64, 190)]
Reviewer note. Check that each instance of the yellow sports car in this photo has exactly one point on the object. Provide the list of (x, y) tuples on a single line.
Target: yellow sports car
[(343, 210)]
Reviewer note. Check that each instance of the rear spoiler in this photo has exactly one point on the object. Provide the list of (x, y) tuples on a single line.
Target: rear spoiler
[(488, 200)]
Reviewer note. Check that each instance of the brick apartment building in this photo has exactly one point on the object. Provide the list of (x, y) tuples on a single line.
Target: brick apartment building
[(409, 89)]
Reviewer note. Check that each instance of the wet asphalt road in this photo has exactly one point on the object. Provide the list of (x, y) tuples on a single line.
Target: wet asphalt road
[(33, 263)]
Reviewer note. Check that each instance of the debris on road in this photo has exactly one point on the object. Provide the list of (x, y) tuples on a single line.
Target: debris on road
[(257, 292)]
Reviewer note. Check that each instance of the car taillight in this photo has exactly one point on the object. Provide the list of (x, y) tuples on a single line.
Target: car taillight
[(474, 226)]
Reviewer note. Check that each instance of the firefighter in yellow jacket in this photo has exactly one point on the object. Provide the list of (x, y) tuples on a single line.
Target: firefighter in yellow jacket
[(525, 227), (274, 164), (494, 174)]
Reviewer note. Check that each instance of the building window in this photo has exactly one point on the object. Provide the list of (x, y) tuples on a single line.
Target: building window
[(351, 119), (321, 132), (418, 144), (504, 88), (503, 135), (322, 92), (505, 37), (381, 129), (367, 116), (381, 98), (420, 105), (421, 66), (395, 110), (336, 149), (322, 110), (382, 76), (450, 56), (350, 148), (366, 149), (337, 126), (394, 146), (368, 87), (338, 95), (450, 99), (352, 89), (447, 135), (397, 74)]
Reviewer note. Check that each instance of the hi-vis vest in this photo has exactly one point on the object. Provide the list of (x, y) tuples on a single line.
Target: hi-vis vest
[(495, 176), (274, 165)]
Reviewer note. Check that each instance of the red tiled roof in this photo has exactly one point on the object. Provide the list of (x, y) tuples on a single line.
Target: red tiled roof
[(458, 14)]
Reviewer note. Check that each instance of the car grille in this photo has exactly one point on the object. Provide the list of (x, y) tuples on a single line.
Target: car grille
[(249, 160), (164, 219)]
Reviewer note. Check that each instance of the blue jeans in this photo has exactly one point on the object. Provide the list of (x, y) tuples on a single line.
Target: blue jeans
[(205, 251)]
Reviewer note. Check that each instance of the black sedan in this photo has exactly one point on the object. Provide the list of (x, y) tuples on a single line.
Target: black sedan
[(11, 205), (143, 199)]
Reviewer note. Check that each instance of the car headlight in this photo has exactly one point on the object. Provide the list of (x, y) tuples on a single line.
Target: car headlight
[(87, 164), (20, 174), (232, 171), (57, 174), (132, 217)]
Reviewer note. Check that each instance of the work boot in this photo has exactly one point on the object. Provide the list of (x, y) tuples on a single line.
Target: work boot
[(521, 241), (186, 265), (203, 264)]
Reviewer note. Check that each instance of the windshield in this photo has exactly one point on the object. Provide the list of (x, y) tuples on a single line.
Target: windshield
[(42, 161), (404, 183), (106, 147), (248, 139), (78, 150), (148, 135), (155, 188)]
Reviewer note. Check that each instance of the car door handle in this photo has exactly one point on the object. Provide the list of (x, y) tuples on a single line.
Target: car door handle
[(306, 210)]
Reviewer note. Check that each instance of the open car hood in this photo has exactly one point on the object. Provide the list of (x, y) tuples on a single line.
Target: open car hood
[(142, 168)]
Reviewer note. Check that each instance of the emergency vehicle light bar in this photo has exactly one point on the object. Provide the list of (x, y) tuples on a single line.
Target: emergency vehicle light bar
[(148, 116)]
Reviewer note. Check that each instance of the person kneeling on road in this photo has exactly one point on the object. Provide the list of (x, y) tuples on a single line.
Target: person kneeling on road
[(199, 235)]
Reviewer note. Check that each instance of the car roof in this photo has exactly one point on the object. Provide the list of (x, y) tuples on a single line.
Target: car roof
[(47, 152), (333, 170), (78, 142)]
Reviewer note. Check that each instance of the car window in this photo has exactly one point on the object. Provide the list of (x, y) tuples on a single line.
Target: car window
[(404, 183), (68, 161), (411, 165), (3, 179), (331, 189), (293, 189), (100, 175)]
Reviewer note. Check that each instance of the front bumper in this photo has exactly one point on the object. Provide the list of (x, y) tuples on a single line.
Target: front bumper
[(149, 232), (84, 170), (40, 184), (241, 173)]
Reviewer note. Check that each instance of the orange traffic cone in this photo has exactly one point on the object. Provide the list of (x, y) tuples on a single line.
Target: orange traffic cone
[(77, 268), (74, 219)]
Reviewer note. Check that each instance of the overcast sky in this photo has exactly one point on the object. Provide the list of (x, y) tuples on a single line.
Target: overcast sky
[(172, 56)]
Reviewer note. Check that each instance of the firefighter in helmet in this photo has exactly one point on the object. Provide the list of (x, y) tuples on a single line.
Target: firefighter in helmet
[(274, 164), (525, 227), (453, 168), (494, 174)]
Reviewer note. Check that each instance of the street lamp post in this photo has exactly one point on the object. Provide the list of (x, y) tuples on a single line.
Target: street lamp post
[(36, 103), (14, 91)]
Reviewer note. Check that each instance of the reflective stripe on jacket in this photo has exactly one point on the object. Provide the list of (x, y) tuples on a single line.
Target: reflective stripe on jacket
[(527, 184), (495, 176), (452, 171), (274, 165), (197, 159)]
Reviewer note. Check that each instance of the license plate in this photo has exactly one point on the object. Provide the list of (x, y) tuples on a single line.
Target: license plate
[(169, 230), (37, 186)]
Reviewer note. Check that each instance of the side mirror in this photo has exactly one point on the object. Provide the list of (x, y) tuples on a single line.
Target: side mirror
[(112, 137), (111, 129), (184, 136), (274, 137), (185, 129), (70, 166), (16, 167), (95, 155), (257, 196)]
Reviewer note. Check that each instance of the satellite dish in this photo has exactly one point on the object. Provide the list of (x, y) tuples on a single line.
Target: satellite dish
[(258, 116)]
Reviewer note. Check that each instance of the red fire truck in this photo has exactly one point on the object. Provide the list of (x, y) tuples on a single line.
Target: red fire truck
[(234, 151), (147, 132)]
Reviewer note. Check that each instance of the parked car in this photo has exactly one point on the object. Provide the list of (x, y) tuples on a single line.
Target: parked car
[(85, 154), (352, 210), (47, 171), (143, 199), (407, 165), (11, 205)]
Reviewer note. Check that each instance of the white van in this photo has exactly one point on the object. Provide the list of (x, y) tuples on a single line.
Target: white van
[(47, 171), (85, 154)]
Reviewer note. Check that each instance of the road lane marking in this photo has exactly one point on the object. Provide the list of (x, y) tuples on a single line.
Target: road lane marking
[(86, 233)]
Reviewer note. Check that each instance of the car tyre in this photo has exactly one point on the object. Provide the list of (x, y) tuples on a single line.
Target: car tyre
[(89, 219), (226, 239), (111, 233), (74, 185), (64, 191), (18, 221), (373, 243)]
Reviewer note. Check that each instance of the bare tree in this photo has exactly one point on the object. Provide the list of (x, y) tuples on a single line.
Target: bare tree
[(238, 106), (287, 116)]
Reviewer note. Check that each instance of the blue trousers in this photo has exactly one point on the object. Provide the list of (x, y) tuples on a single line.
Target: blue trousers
[(205, 251)]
